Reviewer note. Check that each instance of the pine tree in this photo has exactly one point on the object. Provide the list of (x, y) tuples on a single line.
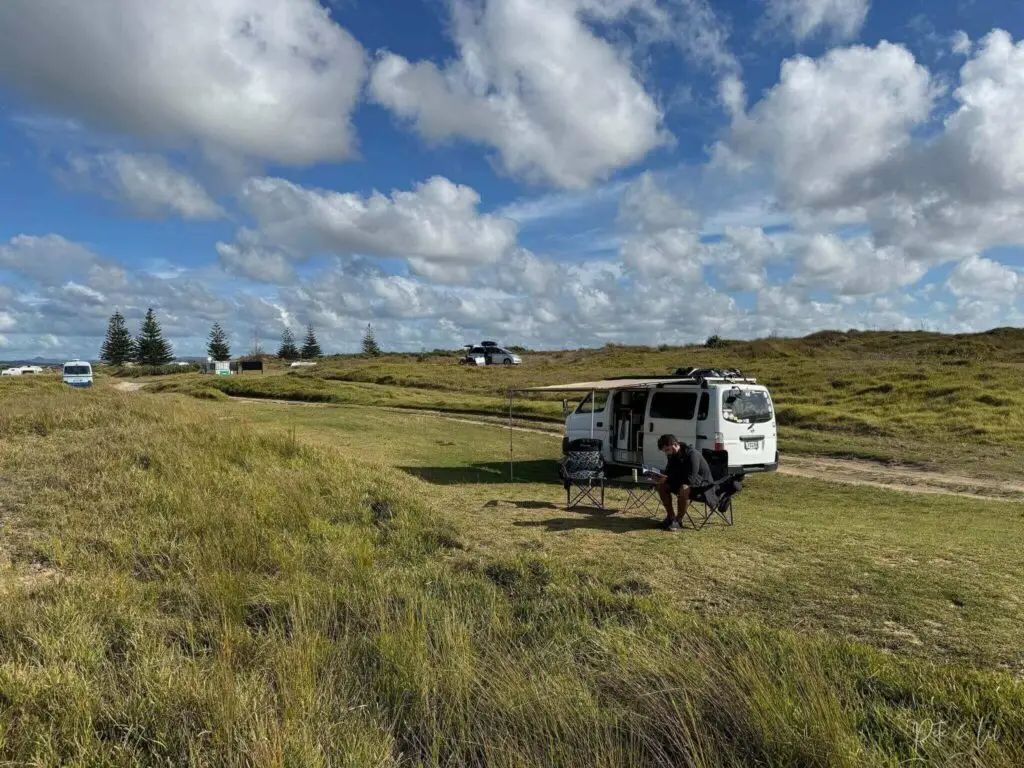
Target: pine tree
[(218, 348), (370, 345), (118, 347), (151, 347), (311, 347), (288, 350)]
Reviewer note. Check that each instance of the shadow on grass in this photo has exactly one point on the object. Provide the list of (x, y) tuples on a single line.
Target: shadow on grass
[(534, 471), (600, 520), (521, 504)]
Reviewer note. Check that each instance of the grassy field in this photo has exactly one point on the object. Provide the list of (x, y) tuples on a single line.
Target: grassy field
[(219, 583), (942, 402)]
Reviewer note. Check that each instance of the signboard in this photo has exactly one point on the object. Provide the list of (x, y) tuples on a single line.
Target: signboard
[(252, 365)]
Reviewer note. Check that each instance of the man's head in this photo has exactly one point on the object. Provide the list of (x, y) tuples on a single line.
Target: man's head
[(668, 445)]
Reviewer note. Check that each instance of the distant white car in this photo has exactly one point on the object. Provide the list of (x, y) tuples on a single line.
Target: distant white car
[(302, 364), (22, 370), (490, 354)]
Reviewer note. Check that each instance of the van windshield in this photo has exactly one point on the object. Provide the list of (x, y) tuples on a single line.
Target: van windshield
[(747, 407), (76, 370)]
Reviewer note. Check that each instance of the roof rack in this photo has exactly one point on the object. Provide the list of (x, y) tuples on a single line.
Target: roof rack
[(695, 375)]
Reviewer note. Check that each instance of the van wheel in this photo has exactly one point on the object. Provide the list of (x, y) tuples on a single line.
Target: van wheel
[(506, 361)]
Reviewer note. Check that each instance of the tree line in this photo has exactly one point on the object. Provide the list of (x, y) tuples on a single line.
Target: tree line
[(149, 347)]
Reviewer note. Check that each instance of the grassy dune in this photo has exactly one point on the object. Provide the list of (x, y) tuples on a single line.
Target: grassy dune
[(952, 402), (186, 586)]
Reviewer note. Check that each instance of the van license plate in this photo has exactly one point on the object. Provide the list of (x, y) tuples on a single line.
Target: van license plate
[(753, 445)]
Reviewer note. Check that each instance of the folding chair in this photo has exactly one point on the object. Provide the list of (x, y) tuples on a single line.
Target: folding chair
[(582, 475), (715, 501)]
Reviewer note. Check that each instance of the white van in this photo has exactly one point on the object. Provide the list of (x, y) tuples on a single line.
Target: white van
[(77, 373), (724, 413)]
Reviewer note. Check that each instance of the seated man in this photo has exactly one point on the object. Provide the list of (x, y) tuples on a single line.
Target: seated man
[(686, 475)]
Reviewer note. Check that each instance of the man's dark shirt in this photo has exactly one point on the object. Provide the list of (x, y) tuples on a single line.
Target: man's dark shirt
[(688, 467)]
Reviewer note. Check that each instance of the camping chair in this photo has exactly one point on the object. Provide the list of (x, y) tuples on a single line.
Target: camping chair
[(582, 473), (715, 500)]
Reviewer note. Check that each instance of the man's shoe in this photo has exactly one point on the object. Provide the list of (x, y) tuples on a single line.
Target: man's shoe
[(666, 523), (675, 526)]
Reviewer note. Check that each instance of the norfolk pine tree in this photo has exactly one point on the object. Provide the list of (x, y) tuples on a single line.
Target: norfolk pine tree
[(118, 347), (370, 346), (288, 350), (311, 347), (218, 348), (151, 347)]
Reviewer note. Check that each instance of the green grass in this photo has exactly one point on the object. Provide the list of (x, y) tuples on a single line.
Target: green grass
[(944, 402), (230, 584)]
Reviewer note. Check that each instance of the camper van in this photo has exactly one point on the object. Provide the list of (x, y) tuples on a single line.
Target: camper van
[(724, 414), (77, 373)]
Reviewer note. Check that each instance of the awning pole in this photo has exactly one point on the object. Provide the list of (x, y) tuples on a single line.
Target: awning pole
[(511, 475), (593, 405)]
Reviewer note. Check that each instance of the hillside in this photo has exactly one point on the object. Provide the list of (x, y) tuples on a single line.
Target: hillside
[(927, 399)]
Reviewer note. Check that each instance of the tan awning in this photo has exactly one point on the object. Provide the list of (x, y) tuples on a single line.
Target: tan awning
[(604, 385)]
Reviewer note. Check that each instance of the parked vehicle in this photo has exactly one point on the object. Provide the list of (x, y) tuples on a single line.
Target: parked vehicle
[(727, 416), (22, 370), (78, 374), (489, 353)]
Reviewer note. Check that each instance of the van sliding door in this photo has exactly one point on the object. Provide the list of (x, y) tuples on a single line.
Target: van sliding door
[(669, 412)]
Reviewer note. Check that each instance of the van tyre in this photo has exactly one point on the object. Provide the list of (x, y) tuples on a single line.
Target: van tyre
[(506, 361)]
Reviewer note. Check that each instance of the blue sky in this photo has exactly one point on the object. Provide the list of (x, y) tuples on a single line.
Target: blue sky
[(549, 172)]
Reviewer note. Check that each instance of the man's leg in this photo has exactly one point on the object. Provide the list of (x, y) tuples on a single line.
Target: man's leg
[(665, 493), (684, 504)]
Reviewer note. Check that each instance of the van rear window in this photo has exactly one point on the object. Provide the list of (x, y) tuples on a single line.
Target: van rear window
[(674, 405), (76, 370), (747, 407)]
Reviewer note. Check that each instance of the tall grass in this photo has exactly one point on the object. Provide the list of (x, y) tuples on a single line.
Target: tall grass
[(188, 591)]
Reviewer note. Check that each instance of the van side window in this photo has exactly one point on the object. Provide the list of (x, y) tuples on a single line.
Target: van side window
[(589, 406), (705, 406), (674, 405)]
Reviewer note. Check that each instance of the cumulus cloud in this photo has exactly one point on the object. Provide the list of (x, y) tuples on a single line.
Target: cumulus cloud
[(259, 264), (842, 19), (855, 267), (270, 79), (49, 259), (436, 226), (832, 122), (146, 183), (532, 80), (982, 278)]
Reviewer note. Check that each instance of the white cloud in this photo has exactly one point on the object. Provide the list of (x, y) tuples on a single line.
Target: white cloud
[(984, 134), (49, 259), (832, 122), (436, 225), (982, 278), (6, 321), (259, 264), (855, 267), (533, 81), (961, 43), (666, 241), (843, 19), (742, 257), (271, 79), (146, 183)]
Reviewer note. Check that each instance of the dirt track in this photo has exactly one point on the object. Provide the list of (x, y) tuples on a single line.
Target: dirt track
[(844, 471)]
